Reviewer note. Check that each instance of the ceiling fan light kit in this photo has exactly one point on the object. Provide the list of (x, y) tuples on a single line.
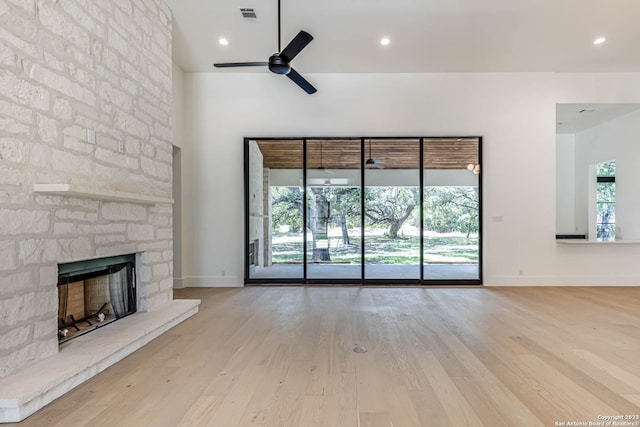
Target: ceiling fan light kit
[(280, 62), (371, 162)]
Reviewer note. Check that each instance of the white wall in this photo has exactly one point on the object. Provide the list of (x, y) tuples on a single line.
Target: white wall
[(514, 112), (177, 217), (566, 221), (177, 106), (177, 139), (614, 140)]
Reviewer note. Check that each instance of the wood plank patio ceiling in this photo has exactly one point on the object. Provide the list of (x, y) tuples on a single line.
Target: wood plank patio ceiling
[(447, 153)]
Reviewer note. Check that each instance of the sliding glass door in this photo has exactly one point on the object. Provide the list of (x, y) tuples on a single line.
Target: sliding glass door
[(333, 209), (451, 209), (363, 211), (392, 209), (274, 200)]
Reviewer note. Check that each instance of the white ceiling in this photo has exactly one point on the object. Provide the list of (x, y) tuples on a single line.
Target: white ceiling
[(426, 35), (574, 118)]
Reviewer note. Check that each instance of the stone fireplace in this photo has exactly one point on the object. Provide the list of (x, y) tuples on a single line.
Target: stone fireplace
[(85, 173), (52, 291)]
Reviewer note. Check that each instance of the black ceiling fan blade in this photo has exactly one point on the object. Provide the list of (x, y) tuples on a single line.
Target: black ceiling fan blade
[(296, 45), (301, 81), (241, 64)]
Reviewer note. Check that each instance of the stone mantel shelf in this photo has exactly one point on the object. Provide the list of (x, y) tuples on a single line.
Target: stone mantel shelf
[(85, 192)]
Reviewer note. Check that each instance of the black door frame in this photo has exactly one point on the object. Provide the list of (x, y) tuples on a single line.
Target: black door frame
[(362, 281)]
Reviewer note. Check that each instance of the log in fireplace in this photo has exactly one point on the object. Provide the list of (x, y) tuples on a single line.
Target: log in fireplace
[(93, 293)]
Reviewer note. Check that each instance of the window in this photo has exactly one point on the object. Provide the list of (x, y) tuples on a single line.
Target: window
[(361, 210), (606, 202)]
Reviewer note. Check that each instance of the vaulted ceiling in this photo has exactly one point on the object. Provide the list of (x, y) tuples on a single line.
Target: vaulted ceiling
[(425, 35)]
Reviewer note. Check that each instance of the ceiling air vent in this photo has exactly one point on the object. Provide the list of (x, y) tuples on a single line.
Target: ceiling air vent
[(249, 14)]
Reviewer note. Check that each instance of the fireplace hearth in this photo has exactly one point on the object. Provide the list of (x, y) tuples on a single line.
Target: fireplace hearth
[(94, 293)]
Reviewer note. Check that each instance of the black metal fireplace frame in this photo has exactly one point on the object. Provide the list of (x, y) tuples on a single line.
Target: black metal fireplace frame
[(89, 269)]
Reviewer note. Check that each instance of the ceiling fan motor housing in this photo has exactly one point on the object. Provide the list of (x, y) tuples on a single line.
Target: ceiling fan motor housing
[(278, 64)]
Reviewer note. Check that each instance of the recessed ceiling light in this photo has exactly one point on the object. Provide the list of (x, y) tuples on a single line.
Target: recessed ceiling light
[(385, 41), (599, 40), (223, 41)]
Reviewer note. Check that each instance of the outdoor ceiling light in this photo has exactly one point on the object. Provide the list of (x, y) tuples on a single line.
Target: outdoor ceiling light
[(474, 168)]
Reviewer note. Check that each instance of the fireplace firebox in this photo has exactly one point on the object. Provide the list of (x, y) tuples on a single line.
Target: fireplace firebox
[(94, 293)]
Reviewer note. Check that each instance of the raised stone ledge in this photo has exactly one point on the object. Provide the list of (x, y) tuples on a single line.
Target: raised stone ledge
[(30, 389), (80, 191)]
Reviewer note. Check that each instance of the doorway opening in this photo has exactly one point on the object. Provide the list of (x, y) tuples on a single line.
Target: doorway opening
[(363, 210)]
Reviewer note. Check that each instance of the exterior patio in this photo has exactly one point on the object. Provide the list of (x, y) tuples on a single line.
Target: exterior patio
[(372, 271)]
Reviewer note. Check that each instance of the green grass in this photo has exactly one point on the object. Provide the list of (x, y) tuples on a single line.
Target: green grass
[(438, 249)]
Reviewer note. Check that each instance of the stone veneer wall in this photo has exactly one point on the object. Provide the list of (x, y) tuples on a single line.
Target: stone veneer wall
[(266, 252), (67, 66), (256, 200)]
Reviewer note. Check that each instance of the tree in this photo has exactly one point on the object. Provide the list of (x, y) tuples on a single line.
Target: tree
[(390, 205), (345, 208), (319, 211), (286, 207), (452, 209), (606, 201)]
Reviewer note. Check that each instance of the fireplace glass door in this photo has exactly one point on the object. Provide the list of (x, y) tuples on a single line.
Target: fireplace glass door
[(94, 293)]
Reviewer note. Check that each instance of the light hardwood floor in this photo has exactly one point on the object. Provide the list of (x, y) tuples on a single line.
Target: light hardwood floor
[(436, 357)]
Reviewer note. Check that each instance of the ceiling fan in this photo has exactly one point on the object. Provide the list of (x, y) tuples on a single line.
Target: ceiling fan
[(280, 62), (371, 162), (321, 167)]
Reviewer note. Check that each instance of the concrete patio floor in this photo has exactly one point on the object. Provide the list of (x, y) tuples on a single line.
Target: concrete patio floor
[(372, 271)]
